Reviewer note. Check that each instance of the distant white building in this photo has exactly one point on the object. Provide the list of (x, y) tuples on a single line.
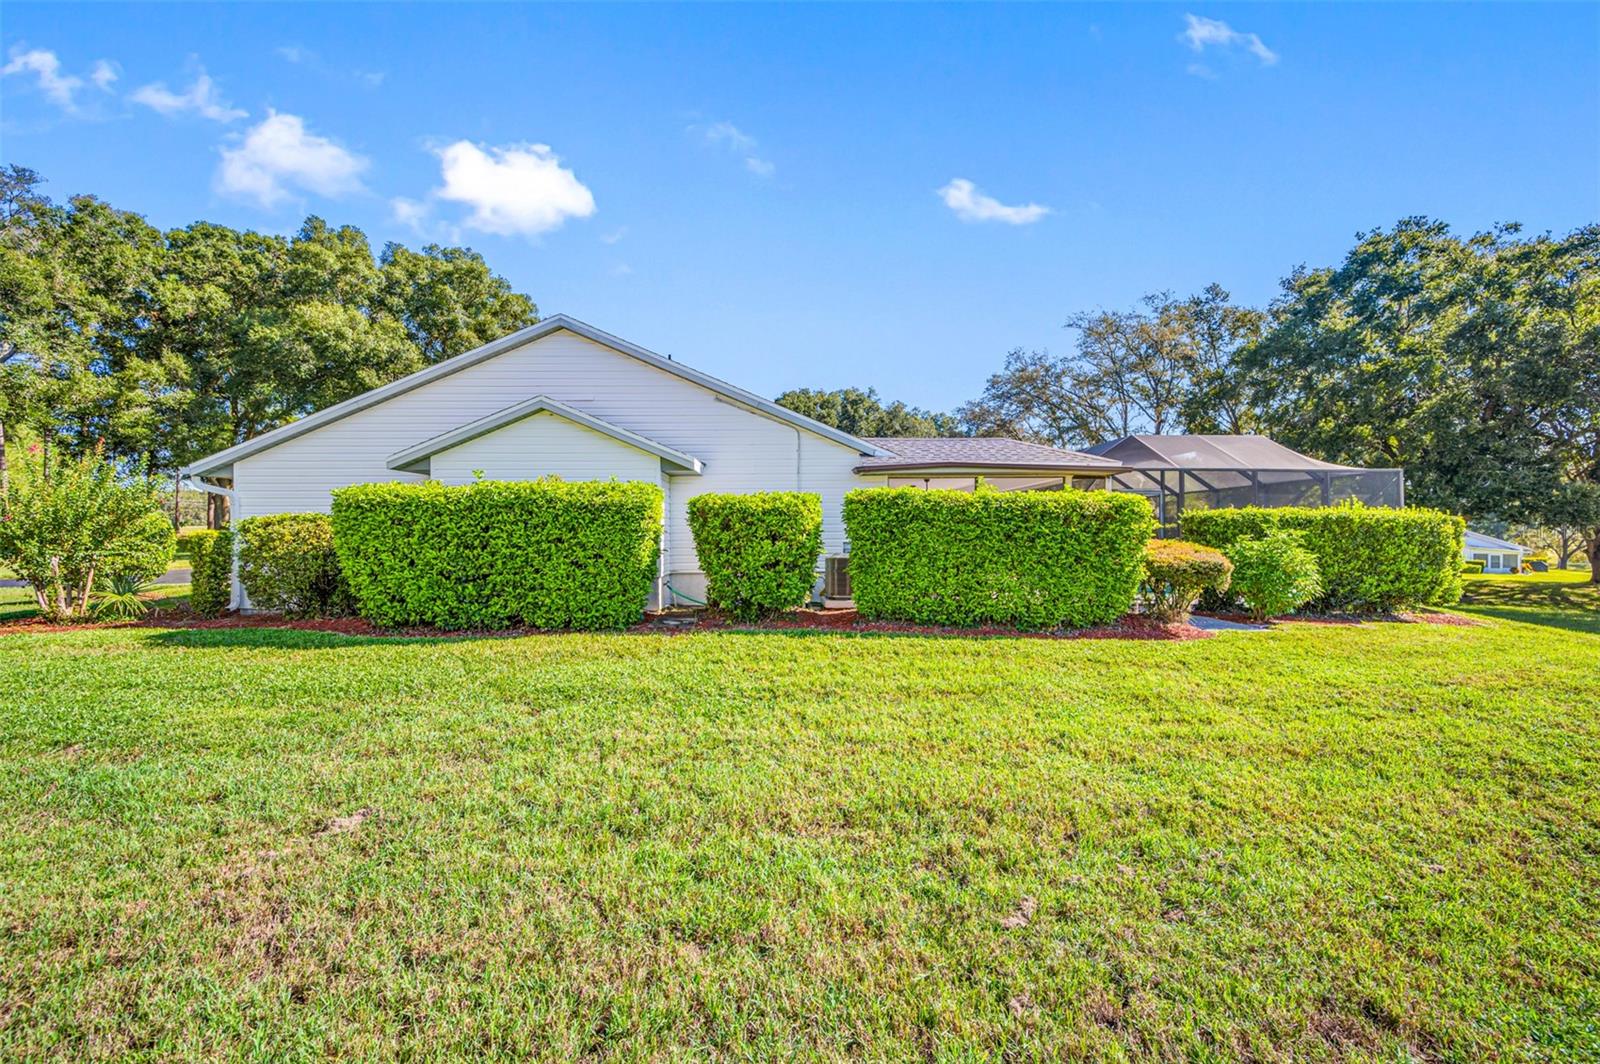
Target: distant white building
[(1497, 555)]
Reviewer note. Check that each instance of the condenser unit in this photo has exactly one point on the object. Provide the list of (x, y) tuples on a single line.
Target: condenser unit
[(836, 577)]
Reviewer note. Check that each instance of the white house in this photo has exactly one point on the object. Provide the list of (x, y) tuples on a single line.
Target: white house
[(1497, 555), (562, 397)]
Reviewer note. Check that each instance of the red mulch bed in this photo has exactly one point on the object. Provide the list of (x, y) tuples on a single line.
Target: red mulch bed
[(671, 623), (1131, 626)]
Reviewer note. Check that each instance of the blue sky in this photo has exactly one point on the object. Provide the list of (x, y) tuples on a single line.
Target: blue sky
[(824, 196)]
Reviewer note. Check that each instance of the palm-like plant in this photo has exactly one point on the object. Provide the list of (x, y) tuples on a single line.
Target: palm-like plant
[(123, 601)]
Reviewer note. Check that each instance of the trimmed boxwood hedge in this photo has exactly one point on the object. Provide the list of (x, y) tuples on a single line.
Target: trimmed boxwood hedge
[(1371, 558), (188, 537), (759, 551), (497, 554), (211, 570), (1044, 559), (287, 563)]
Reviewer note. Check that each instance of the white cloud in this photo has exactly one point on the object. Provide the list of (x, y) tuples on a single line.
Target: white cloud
[(740, 143), (201, 97), (103, 74), (413, 213), (61, 89), (300, 55), (971, 205), (1201, 33), (614, 236), (517, 189), (278, 155)]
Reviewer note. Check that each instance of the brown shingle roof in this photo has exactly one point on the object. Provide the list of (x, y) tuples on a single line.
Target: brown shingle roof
[(979, 452)]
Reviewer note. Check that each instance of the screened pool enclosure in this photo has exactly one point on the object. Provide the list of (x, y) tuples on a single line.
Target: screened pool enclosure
[(1178, 473)]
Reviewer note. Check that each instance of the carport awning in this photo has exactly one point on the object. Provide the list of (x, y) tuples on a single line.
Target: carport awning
[(414, 459)]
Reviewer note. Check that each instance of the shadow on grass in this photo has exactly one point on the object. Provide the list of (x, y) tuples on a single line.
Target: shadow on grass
[(1570, 604), (264, 638)]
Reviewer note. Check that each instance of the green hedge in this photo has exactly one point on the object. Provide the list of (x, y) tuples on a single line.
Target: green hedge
[(211, 569), (1044, 559), (496, 554), (287, 563), (1472, 565), (1371, 559), (1177, 573), (188, 538), (759, 552), (143, 553)]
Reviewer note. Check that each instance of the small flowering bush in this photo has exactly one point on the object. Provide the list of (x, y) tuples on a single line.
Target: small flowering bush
[(65, 522)]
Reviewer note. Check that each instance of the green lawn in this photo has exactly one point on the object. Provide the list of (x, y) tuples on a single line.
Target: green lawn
[(1318, 842), (17, 603)]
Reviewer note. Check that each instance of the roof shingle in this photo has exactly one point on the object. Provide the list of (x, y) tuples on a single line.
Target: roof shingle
[(979, 452)]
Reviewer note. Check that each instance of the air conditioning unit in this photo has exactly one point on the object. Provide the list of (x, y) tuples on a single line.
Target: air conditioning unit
[(836, 577)]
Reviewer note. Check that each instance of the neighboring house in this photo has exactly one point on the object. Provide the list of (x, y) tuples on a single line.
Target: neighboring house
[(1497, 555), (1178, 473), (564, 398)]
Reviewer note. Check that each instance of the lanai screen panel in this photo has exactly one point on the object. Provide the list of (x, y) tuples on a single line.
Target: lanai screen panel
[(1180, 473)]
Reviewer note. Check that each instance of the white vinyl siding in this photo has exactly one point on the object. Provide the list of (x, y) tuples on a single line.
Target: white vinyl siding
[(544, 445), (742, 450)]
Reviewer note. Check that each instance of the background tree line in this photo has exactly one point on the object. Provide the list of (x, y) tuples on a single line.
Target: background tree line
[(162, 347), (1473, 362)]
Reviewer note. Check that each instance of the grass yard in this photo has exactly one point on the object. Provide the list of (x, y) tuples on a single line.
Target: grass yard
[(17, 603), (1319, 842)]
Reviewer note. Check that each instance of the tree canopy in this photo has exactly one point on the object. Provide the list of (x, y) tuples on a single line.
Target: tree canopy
[(1163, 367), (1473, 362), (862, 413), (169, 345)]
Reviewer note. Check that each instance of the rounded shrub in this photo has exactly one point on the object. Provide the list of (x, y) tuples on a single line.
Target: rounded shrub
[(1274, 574), (759, 552), (287, 563), (1030, 559), (211, 570), (1176, 573)]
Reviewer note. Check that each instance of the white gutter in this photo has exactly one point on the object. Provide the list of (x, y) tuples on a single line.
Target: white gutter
[(196, 484)]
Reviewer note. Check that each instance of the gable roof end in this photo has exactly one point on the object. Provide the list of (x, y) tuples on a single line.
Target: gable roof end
[(417, 454), (216, 463)]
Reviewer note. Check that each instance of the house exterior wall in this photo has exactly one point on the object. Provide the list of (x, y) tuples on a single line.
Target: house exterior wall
[(742, 450), (543, 445)]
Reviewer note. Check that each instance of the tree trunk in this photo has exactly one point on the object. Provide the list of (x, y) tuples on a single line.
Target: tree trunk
[(1593, 550), (5, 470)]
